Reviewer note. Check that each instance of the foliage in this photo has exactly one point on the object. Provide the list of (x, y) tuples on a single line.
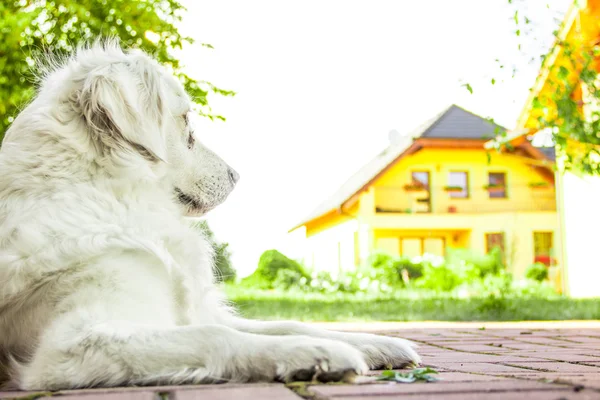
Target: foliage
[(268, 273), (224, 270), (537, 272), (571, 112), (439, 278), (462, 270), (57, 26), (384, 268), (414, 375), (288, 278)]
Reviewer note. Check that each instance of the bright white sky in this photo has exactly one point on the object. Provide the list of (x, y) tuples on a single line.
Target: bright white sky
[(320, 84)]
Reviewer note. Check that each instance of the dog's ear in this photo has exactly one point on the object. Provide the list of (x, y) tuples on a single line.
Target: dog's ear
[(121, 112)]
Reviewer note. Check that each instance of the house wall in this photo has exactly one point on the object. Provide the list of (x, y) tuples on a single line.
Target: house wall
[(390, 193), (580, 218), (331, 242)]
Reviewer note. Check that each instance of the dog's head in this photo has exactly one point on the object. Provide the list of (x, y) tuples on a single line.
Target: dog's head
[(136, 116)]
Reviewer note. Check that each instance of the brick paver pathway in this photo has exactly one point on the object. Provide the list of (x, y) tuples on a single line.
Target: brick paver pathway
[(556, 361)]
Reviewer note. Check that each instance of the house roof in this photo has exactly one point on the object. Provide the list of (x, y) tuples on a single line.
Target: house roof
[(549, 152), (458, 123), (453, 123)]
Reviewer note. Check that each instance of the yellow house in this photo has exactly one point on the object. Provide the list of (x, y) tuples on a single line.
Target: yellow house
[(578, 194), (436, 189)]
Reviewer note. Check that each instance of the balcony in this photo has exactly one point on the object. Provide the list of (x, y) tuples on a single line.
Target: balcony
[(437, 200)]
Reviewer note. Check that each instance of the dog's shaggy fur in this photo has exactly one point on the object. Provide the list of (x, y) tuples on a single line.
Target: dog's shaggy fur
[(102, 281)]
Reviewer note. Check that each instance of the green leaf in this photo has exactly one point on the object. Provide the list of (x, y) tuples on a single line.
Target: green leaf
[(516, 17), (493, 81), (469, 88), (28, 28), (417, 374), (563, 72)]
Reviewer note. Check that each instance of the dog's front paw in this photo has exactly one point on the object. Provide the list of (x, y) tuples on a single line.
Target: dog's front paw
[(303, 358), (381, 352)]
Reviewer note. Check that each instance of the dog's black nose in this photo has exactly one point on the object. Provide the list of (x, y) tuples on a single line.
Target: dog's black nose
[(233, 175)]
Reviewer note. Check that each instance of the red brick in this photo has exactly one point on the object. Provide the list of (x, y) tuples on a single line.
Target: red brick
[(437, 387), (480, 348), (531, 347), (481, 368), (238, 393), (16, 394), (478, 357), (533, 395), (557, 367), (559, 356), (467, 377), (116, 395)]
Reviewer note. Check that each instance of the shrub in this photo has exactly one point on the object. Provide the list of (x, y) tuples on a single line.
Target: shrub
[(439, 278), (537, 272), (414, 270), (475, 265), (287, 279), (270, 264), (382, 268)]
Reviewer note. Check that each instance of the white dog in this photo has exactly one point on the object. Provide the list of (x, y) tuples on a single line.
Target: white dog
[(102, 281)]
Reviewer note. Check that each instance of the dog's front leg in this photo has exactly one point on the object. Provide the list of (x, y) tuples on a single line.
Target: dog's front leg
[(124, 354), (379, 351)]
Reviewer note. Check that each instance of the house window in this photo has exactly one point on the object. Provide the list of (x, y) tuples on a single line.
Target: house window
[(423, 204), (458, 179), (493, 240), (543, 247), (421, 177), (497, 185)]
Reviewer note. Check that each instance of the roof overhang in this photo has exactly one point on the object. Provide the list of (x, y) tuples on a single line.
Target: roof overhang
[(514, 138)]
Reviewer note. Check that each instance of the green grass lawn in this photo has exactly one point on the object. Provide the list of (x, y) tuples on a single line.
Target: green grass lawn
[(406, 306)]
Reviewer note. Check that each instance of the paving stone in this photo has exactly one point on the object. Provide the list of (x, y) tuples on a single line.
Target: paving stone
[(238, 393), (467, 377), (557, 366), (16, 394), (336, 391), (123, 395), (489, 368), (480, 348), (532, 395), (559, 356)]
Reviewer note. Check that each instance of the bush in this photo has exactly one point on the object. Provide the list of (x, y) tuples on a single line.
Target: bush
[(270, 264), (287, 279), (537, 272), (383, 268), (413, 270), (475, 265), (438, 278)]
